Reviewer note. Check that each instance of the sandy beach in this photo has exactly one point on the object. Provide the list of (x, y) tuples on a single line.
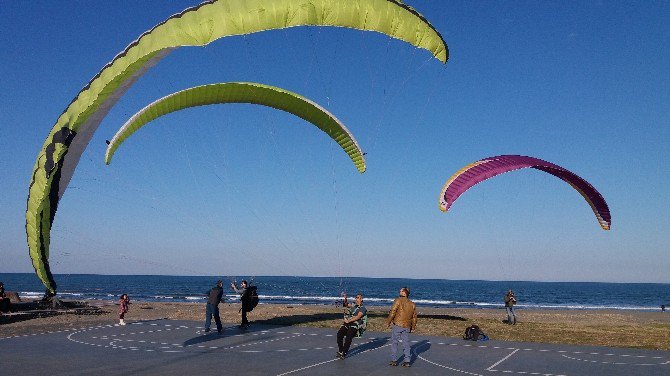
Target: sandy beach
[(631, 329)]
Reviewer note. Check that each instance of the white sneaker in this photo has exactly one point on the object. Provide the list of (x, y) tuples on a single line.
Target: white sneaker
[(121, 322)]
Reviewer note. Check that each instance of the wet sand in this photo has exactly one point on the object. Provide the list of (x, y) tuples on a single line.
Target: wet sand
[(615, 328)]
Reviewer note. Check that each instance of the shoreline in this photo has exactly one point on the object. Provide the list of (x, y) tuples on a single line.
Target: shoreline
[(601, 327), (274, 300)]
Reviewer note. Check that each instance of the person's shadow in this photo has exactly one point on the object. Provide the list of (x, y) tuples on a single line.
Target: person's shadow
[(371, 345), (203, 338), (212, 336), (418, 349)]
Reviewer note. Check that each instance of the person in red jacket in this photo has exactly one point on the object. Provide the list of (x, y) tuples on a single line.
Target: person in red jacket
[(124, 301)]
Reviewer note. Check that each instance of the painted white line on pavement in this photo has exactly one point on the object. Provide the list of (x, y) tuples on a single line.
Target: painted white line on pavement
[(502, 360)]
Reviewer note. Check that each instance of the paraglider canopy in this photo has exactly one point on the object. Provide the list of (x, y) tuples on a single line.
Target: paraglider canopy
[(242, 92), (487, 168), (197, 26)]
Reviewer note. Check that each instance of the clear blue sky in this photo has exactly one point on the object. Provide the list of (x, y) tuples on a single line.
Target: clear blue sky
[(585, 85)]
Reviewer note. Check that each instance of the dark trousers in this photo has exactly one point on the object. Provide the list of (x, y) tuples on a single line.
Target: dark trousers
[(344, 337), (212, 310), (244, 317), (5, 305)]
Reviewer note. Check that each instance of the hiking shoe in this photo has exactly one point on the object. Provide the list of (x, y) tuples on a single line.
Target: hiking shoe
[(393, 363), (339, 355), (406, 364)]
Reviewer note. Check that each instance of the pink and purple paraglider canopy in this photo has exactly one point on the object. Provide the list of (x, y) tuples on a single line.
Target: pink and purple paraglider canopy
[(487, 168)]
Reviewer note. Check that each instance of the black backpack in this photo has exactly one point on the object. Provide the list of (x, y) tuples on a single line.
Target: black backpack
[(472, 333), (251, 298)]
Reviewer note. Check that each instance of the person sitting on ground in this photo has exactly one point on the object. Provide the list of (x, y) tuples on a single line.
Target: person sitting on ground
[(245, 297), (214, 297), (402, 320), (510, 301), (353, 320), (5, 304)]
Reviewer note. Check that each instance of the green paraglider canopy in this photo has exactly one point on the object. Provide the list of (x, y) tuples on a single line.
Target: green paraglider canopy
[(196, 26), (242, 92)]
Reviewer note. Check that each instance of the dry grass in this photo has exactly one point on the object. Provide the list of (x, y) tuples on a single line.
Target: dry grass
[(648, 330)]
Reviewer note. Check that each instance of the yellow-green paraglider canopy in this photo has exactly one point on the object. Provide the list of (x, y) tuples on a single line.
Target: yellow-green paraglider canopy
[(242, 92), (195, 26)]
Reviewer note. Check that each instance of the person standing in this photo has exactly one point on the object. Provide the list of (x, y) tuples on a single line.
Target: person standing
[(245, 298), (214, 297), (353, 320), (124, 301), (5, 304), (510, 301), (402, 321)]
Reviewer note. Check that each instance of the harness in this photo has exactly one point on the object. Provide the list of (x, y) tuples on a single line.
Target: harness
[(360, 324)]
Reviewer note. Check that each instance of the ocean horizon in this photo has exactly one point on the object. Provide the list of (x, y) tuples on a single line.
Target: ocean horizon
[(377, 291)]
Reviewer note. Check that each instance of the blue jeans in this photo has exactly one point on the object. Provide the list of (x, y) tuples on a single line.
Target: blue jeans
[(212, 310), (400, 333), (511, 316)]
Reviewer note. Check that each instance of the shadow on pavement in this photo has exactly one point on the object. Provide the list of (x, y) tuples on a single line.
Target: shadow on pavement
[(376, 343), (418, 348)]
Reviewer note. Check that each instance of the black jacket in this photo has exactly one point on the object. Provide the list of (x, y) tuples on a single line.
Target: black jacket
[(215, 295)]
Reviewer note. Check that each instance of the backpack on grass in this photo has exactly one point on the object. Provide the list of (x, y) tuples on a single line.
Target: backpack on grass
[(474, 333)]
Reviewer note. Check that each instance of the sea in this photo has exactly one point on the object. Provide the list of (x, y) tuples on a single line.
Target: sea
[(377, 291)]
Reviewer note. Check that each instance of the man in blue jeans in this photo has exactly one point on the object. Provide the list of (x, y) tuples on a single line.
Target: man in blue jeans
[(510, 301), (402, 321), (214, 297)]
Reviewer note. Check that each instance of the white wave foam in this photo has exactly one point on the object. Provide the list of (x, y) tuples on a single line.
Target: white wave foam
[(71, 293), (195, 297), (580, 306), (30, 294)]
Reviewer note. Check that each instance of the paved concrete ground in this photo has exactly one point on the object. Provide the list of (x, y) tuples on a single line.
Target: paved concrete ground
[(168, 347)]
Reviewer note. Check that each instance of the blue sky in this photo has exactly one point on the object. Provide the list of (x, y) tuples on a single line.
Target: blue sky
[(246, 190)]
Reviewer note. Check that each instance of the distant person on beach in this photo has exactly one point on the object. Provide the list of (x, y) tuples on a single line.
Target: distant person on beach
[(510, 301), (245, 297), (662, 307), (214, 297), (402, 321), (5, 304), (353, 320), (124, 301)]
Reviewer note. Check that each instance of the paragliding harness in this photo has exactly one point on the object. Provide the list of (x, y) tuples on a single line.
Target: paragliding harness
[(250, 299), (474, 333), (360, 328)]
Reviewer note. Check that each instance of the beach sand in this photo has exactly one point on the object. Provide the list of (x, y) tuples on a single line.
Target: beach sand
[(631, 329)]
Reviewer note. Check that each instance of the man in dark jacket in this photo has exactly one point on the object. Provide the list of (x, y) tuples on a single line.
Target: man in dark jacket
[(5, 305), (245, 297), (214, 297)]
